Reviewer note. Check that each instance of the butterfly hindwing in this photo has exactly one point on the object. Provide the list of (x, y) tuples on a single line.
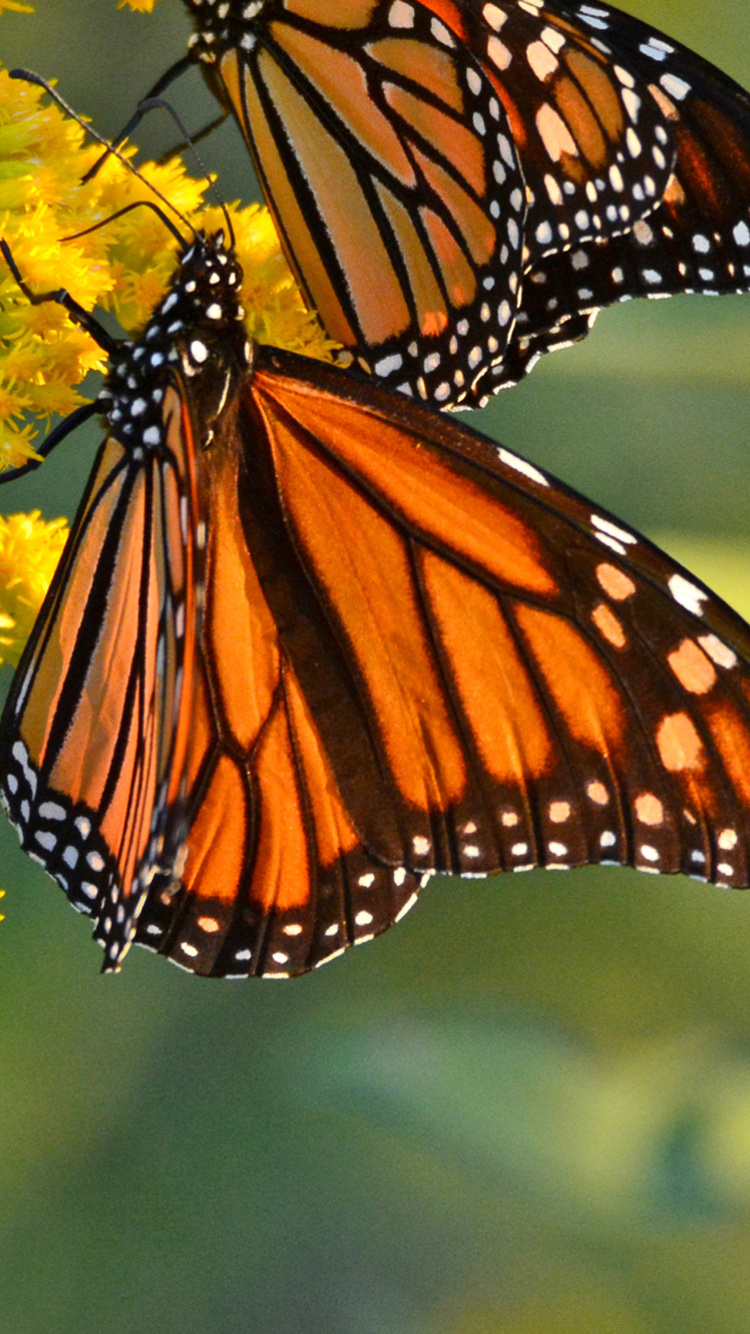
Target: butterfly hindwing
[(277, 877), (697, 239)]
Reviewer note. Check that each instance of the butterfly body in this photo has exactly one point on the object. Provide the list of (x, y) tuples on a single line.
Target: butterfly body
[(311, 642), (93, 777), (461, 186)]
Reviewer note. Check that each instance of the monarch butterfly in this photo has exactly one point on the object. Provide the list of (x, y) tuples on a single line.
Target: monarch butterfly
[(310, 642), (460, 186)]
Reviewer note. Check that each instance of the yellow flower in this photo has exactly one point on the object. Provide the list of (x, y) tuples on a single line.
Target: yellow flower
[(124, 265), (30, 548), (143, 6)]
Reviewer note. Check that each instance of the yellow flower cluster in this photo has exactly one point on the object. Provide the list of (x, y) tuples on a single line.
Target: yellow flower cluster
[(30, 548), (123, 266)]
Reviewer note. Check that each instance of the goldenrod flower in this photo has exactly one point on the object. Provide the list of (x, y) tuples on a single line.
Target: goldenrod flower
[(30, 548), (123, 266)]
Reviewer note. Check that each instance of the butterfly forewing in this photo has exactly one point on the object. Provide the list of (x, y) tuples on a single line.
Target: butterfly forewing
[(91, 748), (568, 673), (385, 150)]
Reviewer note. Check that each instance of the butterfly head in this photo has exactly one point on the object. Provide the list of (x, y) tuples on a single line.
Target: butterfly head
[(197, 330), (202, 311)]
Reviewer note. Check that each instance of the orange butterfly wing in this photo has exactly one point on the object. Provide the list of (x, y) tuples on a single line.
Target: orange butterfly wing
[(93, 768), (371, 141), (504, 169), (420, 653), (696, 238), (310, 642)]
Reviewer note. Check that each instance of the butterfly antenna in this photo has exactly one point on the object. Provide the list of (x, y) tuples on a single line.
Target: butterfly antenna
[(128, 208), (28, 76), (63, 298), (159, 87), (198, 137), (156, 103)]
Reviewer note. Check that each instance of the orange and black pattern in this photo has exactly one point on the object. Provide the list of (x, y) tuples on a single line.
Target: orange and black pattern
[(696, 239), (461, 185), (311, 642), (388, 162), (96, 728)]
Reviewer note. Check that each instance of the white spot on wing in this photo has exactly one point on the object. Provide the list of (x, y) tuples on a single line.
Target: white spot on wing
[(51, 810), (522, 466), (387, 365), (494, 17), (717, 651), (675, 87), (612, 529), (688, 596), (401, 15)]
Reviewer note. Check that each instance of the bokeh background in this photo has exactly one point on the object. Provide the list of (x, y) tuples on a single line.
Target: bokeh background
[(526, 1110)]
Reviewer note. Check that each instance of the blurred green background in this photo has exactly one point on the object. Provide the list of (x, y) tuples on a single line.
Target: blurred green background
[(526, 1110)]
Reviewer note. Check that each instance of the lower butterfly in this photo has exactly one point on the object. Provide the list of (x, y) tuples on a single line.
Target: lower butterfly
[(310, 642), (462, 185)]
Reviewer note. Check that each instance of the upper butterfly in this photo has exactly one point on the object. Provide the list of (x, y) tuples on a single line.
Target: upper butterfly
[(460, 186), (309, 642)]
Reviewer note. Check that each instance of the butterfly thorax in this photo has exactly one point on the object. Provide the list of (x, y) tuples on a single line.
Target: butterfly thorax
[(197, 330)]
